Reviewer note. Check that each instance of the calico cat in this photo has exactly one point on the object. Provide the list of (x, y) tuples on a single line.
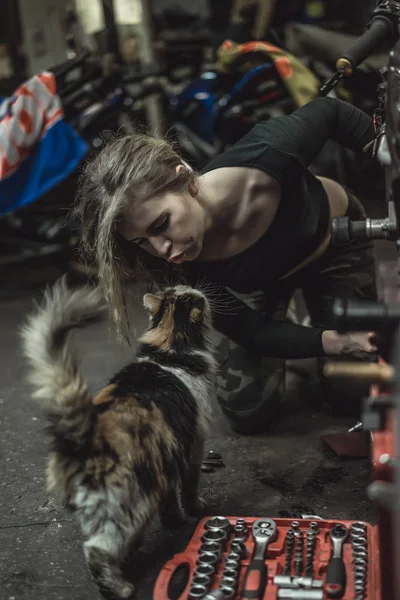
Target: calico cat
[(134, 449)]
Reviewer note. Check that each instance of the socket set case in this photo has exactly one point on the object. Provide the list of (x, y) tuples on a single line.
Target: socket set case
[(276, 562)]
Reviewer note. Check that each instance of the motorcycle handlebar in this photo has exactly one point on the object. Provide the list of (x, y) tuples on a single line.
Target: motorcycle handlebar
[(381, 29)]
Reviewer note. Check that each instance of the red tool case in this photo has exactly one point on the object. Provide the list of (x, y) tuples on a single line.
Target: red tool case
[(275, 560), (382, 567)]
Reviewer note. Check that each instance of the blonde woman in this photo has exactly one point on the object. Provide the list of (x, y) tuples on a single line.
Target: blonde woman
[(255, 225)]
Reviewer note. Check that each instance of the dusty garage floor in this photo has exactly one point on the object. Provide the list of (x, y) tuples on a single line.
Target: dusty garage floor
[(286, 472)]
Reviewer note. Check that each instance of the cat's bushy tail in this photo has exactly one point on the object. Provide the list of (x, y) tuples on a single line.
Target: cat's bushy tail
[(54, 368)]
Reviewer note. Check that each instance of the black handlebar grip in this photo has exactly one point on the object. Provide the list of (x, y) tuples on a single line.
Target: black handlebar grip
[(335, 582), (380, 30)]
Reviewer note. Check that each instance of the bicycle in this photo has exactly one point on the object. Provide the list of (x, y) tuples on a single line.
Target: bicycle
[(381, 410)]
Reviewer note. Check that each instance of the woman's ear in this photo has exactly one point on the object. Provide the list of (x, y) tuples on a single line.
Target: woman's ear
[(193, 186), (184, 165)]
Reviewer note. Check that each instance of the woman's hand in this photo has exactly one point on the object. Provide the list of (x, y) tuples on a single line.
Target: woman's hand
[(357, 343)]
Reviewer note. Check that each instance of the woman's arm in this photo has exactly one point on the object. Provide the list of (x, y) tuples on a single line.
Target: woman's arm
[(262, 335), (303, 133), (281, 339)]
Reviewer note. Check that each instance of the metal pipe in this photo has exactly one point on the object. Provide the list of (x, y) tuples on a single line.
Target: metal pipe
[(148, 58), (111, 29)]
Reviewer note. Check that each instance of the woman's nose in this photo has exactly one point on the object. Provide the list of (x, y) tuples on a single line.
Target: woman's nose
[(161, 245)]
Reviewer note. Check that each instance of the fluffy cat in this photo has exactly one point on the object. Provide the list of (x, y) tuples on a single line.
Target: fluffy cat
[(135, 448)]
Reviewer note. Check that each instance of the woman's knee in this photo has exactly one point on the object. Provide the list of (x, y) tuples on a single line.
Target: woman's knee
[(249, 388)]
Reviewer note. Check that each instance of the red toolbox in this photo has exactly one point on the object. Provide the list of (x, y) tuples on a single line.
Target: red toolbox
[(379, 557), (276, 561)]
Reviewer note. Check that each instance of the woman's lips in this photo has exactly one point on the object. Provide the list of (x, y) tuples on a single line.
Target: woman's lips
[(182, 256), (178, 259)]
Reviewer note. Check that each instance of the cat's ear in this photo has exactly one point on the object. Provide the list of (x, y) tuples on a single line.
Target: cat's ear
[(197, 312), (152, 303)]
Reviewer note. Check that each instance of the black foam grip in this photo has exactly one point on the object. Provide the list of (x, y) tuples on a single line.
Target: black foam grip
[(380, 30)]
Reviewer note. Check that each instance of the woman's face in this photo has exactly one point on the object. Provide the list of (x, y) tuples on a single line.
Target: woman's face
[(171, 226)]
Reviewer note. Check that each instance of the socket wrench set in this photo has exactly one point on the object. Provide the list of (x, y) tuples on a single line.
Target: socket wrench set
[(266, 559)]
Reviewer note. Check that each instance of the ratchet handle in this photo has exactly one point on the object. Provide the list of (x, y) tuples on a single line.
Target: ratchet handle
[(255, 581), (335, 581)]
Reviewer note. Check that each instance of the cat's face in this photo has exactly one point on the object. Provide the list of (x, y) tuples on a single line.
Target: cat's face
[(179, 314)]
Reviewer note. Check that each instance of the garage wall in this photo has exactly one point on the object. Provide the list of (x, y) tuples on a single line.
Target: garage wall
[(42, 33)]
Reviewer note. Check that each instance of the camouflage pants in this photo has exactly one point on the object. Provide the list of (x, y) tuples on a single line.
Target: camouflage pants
[(250, 387)]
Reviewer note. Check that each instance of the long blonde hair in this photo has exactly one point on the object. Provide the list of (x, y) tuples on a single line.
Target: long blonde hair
[(128, 169)]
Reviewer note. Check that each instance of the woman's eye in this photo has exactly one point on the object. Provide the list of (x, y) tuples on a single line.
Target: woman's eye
[(140, 241), (163, 226)]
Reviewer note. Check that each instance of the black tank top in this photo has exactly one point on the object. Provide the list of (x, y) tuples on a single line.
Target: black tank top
[(283, 147)]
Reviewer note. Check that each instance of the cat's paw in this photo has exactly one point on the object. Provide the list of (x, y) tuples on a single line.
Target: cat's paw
[(198, 509)]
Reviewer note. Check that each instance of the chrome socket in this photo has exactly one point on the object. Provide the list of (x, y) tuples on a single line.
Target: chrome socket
[(228, 592), (289, 544), (301, 594), (219, 536), (359, 543), (210, 548), (204, 569), (240, 532), (290, 533), (298, 555), (197, 591), (310, 552), (287, 581), (215, 595), (239, 547), (230, 572), (207, 559), (218, 523), (199, 579), (232, 564), (234, 556), (358, 528), (228, 582)]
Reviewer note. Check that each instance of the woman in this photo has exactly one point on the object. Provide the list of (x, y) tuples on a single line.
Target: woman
[(255, 223)]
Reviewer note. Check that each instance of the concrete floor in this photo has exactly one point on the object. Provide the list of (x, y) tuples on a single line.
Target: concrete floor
[(287, 472)]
